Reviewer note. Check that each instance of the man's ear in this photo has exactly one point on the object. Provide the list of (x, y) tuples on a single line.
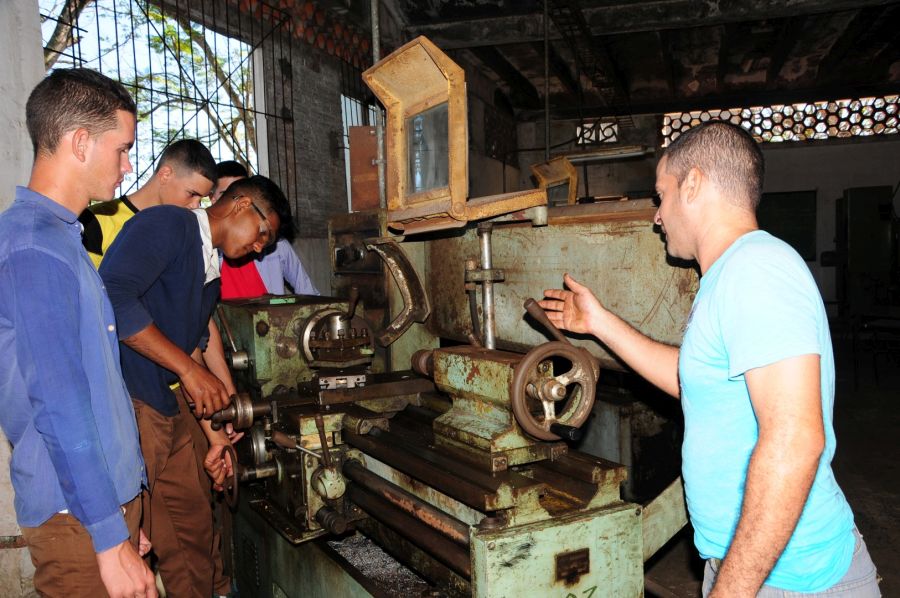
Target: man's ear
[(165, 173), (692, 184), (80, 143)]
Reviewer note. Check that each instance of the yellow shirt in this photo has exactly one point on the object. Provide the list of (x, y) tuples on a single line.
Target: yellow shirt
[(102, 223)]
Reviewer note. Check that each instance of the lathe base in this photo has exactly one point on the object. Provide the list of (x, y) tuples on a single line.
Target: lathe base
[(268, 566), (592, 554)]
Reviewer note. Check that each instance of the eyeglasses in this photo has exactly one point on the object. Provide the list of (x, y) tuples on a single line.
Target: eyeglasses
[(266, 235)]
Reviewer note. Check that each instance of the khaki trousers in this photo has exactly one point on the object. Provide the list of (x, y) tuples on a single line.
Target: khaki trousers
[(63, 555), (177, 515), (221, 582)]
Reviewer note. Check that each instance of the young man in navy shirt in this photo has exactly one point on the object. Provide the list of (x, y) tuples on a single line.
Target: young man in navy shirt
[(162, 276)]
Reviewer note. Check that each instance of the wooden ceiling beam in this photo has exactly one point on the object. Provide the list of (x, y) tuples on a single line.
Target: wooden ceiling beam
[(855, 30), (522, 93), (718, 101), (788, 34), (559, 68), (627, 17), (665, 56)]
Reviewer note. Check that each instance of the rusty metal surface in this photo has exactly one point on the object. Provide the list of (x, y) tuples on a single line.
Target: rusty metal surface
[(416, 306), (611, 248), (378, 386), (434, 518), (495, 205), (414, 78), (556, 172), (453, 474), (525, 560), (269, 329), (363, 169), (450, 553), (354, 266), (450, 583)]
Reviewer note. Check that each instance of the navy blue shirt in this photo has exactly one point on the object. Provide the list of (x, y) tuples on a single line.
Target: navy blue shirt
[(63, 404), (154, 273)]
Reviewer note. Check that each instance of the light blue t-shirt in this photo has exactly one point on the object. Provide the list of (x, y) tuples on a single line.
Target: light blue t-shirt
[(757, 304)]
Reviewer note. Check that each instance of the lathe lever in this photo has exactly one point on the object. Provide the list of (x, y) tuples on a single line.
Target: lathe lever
[(536, 312), (565, 432), (351, 307)]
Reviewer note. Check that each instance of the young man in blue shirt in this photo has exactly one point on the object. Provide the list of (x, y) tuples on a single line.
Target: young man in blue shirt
[(76, 464), (755, 374), (162, 276)]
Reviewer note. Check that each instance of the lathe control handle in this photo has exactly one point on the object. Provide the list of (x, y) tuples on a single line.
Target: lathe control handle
[(536, 312), (231, 486), (566, 432), (351, 307)]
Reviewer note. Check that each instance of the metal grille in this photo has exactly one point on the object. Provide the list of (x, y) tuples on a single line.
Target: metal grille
[(597, 132), (798, 122), (188, 78)]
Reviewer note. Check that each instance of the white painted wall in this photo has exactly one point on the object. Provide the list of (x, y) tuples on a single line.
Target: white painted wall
[(21, 67), (829, 168)]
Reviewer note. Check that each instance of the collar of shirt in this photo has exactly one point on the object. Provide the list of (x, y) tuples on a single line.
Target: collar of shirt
[(210, 256), (26, 195)]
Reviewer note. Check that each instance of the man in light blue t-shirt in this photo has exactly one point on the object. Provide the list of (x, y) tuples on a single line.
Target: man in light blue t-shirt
[(755, 374)]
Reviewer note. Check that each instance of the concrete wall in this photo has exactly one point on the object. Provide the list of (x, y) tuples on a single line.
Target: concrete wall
[(622, 176), (21, 68), (311, 163), (828, 167)]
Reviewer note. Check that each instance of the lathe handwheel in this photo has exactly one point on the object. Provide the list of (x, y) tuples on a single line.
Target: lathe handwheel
[(532, 382), (231, 485)]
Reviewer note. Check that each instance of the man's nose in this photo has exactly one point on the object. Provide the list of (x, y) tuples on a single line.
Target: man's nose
[(656, 219)]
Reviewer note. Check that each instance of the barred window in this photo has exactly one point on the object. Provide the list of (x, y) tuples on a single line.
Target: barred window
[(798, 122), (187, 79), (597, 132)]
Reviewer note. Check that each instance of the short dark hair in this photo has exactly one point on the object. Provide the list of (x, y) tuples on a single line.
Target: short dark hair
[(231, 168), (191, 155), (726, 153), (270, 195), (69, 99)]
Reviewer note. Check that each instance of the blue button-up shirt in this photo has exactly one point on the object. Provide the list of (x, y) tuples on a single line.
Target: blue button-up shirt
[(63, 403)]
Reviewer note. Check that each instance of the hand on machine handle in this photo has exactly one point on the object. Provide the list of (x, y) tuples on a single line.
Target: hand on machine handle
[(218, 465), (232, 434), (144, 545), (207, 392)]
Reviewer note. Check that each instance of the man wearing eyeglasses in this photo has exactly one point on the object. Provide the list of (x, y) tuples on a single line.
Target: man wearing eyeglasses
[(162, 277)]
